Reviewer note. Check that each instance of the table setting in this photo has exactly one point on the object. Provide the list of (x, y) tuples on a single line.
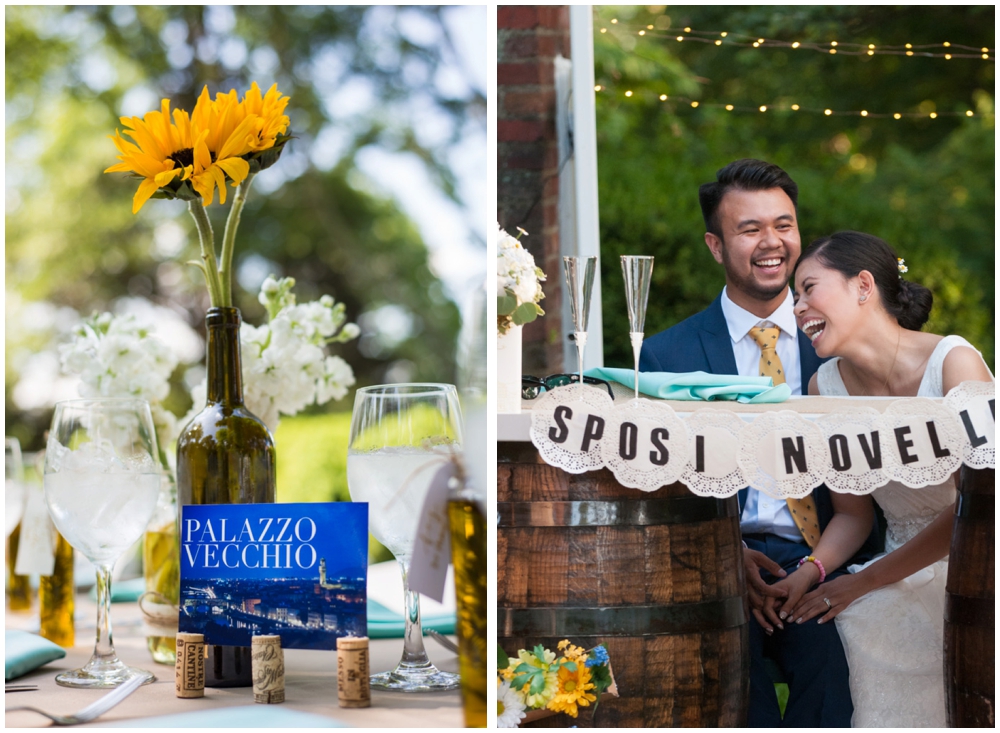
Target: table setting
[(250, 611)]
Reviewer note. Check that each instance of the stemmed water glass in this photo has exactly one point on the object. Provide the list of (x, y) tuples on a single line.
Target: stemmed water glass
[(401, 434), (15, 492), (101, 486), (580, 272), (638, 273)]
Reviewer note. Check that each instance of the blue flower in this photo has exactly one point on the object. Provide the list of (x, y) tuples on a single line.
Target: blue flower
[(597, 657)]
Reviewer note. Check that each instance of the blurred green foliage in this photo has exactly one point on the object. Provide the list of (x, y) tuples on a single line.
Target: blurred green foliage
[(357, 77), (926, 186)]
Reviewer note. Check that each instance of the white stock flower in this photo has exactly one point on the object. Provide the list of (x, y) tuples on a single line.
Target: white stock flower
[(516, 270)]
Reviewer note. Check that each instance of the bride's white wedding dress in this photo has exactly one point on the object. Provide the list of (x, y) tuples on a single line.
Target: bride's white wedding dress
[(893, 637)]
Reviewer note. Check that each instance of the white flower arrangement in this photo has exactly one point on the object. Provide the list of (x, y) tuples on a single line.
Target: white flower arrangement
[(285, 367), (519, 288), (115, 356)]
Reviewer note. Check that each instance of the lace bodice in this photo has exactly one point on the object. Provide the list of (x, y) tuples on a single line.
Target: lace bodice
[(907, 511)]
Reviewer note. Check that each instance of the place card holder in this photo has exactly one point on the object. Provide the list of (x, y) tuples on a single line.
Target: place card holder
[(268, 669), (353, 683), (189, 669)]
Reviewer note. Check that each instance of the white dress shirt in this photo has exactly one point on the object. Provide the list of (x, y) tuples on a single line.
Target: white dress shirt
[(762, 514)]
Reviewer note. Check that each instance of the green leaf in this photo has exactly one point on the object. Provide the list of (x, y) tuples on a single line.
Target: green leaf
[(519, 681), (537, 684), (539, 652), (503, 661), (571, 666), (506, 304), (524, 667), (525, 313)]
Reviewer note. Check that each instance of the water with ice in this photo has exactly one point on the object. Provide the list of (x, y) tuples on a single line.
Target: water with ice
[(394, 482), (100, 502)]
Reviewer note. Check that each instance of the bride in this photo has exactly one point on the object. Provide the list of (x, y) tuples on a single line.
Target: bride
[(854, 304)]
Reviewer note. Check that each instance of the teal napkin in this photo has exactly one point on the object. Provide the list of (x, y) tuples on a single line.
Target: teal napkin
[(123, 590), (249, 716), (386, 624), (24, 652), (697, 385)]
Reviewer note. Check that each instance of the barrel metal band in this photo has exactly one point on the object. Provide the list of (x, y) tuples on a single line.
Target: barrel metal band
[(681, 618), (975, 506), (635, 513), (969, 611)]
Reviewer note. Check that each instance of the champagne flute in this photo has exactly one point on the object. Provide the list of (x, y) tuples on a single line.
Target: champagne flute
[(101, 485), (638, 272), (579, 272), (15, 492), (401, 434)]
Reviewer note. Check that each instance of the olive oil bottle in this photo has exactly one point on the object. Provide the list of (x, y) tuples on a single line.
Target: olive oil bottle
[(225, 455)]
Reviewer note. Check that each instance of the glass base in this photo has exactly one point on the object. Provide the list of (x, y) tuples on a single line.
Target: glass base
[(422, 679), (102, 675)]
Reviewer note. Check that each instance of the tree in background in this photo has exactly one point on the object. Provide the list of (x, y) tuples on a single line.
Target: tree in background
[(924, 185), (379, 83)]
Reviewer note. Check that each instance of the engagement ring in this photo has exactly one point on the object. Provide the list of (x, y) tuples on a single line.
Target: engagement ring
[(827, 602)]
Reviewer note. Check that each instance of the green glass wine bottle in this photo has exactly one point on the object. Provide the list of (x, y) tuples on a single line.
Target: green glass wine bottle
[(225, 455)]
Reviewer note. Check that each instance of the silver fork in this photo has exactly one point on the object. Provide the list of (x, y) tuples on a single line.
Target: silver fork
[(443, 640), (92, 711)]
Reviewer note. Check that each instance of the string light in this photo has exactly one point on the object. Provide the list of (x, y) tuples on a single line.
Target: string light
[(827, 111), (946, 50)]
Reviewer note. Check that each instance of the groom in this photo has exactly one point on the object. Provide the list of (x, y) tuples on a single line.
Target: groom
[(750, 214)]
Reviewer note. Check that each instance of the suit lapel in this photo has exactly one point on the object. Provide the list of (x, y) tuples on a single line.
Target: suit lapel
[(716, 341)]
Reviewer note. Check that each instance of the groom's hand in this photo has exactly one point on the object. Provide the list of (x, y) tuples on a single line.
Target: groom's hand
[(757, 589)]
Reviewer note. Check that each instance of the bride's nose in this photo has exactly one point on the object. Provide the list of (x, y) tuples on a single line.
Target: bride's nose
[(799, 308)]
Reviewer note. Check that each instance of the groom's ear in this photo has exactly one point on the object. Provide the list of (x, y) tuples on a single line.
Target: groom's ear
[(714, 246)]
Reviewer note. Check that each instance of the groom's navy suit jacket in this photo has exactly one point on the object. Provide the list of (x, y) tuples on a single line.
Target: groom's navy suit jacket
[(702, 343)]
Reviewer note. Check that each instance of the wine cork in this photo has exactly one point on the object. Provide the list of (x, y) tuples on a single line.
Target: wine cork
[(189, 669), (268, 661), (353, 683)]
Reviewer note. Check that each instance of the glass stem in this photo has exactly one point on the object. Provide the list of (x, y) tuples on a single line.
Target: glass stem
[(580, 344), (104, 646), (414, 654)]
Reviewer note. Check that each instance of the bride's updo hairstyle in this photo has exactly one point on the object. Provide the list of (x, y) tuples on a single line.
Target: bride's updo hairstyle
[(851, 252)]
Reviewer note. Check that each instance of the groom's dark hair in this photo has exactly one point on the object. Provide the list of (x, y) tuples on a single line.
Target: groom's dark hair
[(744, 175)]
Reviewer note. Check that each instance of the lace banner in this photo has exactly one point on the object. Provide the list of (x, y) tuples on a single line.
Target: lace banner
[(646, 444)]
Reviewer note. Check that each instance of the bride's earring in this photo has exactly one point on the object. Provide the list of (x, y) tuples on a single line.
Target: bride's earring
[(863, 298)]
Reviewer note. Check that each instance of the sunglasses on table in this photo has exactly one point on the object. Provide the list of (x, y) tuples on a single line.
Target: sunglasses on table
[(531, 387)]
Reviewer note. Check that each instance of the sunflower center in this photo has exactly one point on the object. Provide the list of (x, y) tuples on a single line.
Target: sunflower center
[(569, 686), (500, 708), (183, 158)]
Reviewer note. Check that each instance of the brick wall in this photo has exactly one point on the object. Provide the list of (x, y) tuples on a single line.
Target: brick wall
[(528, 39)]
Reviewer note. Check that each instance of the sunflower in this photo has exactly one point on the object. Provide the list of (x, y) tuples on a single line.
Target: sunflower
[(205, 149), (269, 111), (572, 690)]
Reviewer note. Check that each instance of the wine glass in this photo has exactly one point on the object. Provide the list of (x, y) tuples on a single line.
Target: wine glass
[(401, 434), (101, 486), (15, 492)]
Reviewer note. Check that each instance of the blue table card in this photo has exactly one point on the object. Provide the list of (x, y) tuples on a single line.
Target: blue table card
[(296, 570)]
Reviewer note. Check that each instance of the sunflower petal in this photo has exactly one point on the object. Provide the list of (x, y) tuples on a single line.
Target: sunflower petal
[(146, 189), (236, 168)]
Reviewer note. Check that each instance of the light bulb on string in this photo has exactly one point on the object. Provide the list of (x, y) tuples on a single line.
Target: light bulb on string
[(897, 116), (597, 88), (694, 104), (718, 43), (604, 30), (680, 38), (864, 113), (946, 44), (628, 93), (663, 97), (933, 115), (614, 20), (795, 107), (687, 30), (968, 113), (642, 33), (828, 112), (724, 34), (796, 44), (729, 107), (763, 108)]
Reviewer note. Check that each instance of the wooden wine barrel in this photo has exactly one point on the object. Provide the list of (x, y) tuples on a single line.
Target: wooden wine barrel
[(969, 652), (656, 577)]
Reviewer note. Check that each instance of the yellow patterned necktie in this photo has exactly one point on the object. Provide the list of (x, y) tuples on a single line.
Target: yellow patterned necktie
[(803, 510)]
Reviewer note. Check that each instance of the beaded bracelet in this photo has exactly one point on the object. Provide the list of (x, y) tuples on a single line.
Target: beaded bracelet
[(815, 561)]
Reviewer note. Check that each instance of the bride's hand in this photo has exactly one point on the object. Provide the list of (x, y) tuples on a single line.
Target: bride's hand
[(841, 592)]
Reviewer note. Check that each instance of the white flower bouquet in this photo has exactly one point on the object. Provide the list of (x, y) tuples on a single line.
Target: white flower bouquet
[(285, 367), (519, 288)]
